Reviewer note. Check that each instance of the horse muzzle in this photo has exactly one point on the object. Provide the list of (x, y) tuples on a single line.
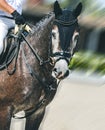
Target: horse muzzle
[(62, 76), (61, 70)]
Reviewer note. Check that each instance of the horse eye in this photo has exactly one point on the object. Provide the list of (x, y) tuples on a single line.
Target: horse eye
[(54, 35)]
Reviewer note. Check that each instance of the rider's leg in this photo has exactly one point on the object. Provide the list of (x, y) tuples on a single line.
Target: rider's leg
[(5, 24), (3, 33)]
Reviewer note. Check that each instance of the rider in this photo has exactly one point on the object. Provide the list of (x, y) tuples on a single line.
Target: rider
[(10, 14)]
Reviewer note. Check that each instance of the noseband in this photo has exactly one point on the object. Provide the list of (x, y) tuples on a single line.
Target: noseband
[(63, 54)]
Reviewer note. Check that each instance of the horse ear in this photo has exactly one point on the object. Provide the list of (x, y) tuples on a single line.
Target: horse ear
[(57, 9), (78, 10)]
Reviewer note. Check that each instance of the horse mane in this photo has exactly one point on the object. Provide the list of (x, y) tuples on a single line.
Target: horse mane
[(45, 21), (40, 37)]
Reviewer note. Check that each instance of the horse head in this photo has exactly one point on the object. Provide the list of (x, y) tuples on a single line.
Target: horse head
[(65, 34)]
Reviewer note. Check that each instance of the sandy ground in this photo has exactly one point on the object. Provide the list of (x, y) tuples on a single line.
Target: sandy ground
[(78, 105)]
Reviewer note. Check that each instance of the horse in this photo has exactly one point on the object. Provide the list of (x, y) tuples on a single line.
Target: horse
[(26, 80)]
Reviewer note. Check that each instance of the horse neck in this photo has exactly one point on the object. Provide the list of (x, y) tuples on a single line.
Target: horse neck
[(39, 40), (42, 34)]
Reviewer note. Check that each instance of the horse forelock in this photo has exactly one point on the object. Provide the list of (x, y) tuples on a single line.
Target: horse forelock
[(67, 15)]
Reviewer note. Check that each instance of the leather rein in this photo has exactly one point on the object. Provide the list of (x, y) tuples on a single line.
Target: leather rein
[(47, 87)]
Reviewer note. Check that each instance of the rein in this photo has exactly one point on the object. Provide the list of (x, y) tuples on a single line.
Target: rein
[(48, 87), (12, 54)]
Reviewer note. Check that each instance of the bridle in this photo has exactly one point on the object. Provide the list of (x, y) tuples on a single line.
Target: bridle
[(66, 55), (61, 55), (47, 86)]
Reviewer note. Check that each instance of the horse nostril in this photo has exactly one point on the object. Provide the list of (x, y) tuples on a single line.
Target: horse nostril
[(55, 69), (67, 73)]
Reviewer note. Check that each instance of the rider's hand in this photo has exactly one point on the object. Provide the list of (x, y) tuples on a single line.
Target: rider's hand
[(18, 18)]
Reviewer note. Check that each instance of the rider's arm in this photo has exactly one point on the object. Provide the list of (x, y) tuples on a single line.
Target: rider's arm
[(6, 7)]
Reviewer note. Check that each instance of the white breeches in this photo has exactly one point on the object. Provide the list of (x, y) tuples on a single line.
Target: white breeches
[(5, 24)]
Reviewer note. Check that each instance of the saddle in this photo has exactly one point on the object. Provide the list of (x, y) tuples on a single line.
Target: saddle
[(9, 50), (12, 45)]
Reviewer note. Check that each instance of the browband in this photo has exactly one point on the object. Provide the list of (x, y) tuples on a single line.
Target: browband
[(65, 23)]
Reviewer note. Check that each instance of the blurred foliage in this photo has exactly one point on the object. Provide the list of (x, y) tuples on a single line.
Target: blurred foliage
[(90, 7), (88, 62)]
